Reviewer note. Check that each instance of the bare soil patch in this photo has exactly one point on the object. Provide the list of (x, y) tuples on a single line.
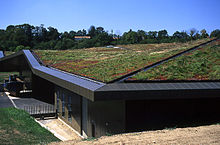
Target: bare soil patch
[(191, 135)]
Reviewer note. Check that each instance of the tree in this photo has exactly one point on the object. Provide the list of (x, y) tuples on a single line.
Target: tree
[(204, 33), (193, 31), (162, 34), (130, 37), (141, 35), (215, 33), (18, 48), (92, 31), (180, 36), (99, 30), (52, 34), (152, 34)]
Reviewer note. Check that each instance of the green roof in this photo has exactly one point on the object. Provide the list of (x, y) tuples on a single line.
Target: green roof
[(200, 64), (106, 64)]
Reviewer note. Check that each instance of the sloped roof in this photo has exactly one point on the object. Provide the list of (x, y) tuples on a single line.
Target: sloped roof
[(201, 64), (97, 91), (108, 64)]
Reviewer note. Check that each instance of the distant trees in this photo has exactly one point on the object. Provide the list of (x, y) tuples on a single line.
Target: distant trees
[(204, 34), (215, 33), (25, 36), (181, 36)]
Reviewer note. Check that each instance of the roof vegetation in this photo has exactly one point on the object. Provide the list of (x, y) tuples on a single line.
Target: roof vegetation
[(200, 64), (106, 64)]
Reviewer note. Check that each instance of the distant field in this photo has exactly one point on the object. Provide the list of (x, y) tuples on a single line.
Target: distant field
[(5, 75), (8, 53), (106, 64), (18, 128), (201, 64)]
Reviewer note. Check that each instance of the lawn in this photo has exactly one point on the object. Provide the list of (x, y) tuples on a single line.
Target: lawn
[(106, 64), (18, 128), (200, 64)]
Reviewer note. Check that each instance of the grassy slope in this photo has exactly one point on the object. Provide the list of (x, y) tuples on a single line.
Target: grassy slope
[(17, 127), (106, 64), (201, 64)]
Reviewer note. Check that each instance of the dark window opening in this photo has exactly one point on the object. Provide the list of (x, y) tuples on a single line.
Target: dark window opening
[(69, 108), (63, 104), (93, 130)]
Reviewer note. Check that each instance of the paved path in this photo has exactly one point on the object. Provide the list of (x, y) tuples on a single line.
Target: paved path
[(60, 129), (5, 101)]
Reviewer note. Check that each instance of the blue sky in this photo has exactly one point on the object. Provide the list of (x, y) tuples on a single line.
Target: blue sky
[(116, 15)]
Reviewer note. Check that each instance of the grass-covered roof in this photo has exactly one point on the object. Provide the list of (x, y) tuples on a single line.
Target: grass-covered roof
[(106, 64), (200, 64)]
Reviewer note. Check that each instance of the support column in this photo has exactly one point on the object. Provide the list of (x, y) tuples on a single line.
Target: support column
[(84, 132)]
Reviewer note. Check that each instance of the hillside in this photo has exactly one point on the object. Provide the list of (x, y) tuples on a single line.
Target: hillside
[(208, 135), (106, 64), (18, 127)]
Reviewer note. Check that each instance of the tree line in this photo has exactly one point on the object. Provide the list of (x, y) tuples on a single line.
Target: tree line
[(25, 36)]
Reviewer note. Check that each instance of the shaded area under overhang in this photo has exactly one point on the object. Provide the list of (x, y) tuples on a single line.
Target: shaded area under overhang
[(154, 91), (13, 63)]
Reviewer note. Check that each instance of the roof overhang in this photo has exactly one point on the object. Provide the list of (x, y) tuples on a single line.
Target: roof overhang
[(154, 91), (98, 91)]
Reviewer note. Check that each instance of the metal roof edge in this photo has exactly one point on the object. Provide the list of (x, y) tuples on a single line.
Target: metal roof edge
[(79, 85), (160, 86), (132, 91), (1, 54)]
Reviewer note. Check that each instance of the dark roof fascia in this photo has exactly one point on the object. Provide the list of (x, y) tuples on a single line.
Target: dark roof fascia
[(11, 56), (78, 84), (133, 91)]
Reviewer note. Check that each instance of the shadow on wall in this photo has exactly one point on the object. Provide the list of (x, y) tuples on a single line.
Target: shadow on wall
[(161, 114)]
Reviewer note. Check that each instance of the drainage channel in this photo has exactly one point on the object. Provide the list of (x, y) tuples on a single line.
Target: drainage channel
[(125, 77)]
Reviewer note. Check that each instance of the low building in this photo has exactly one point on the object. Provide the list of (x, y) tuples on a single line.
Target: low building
[(95, 108), (81, 37)]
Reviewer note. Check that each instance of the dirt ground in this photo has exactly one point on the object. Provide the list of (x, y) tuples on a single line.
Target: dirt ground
[(203, 135)]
